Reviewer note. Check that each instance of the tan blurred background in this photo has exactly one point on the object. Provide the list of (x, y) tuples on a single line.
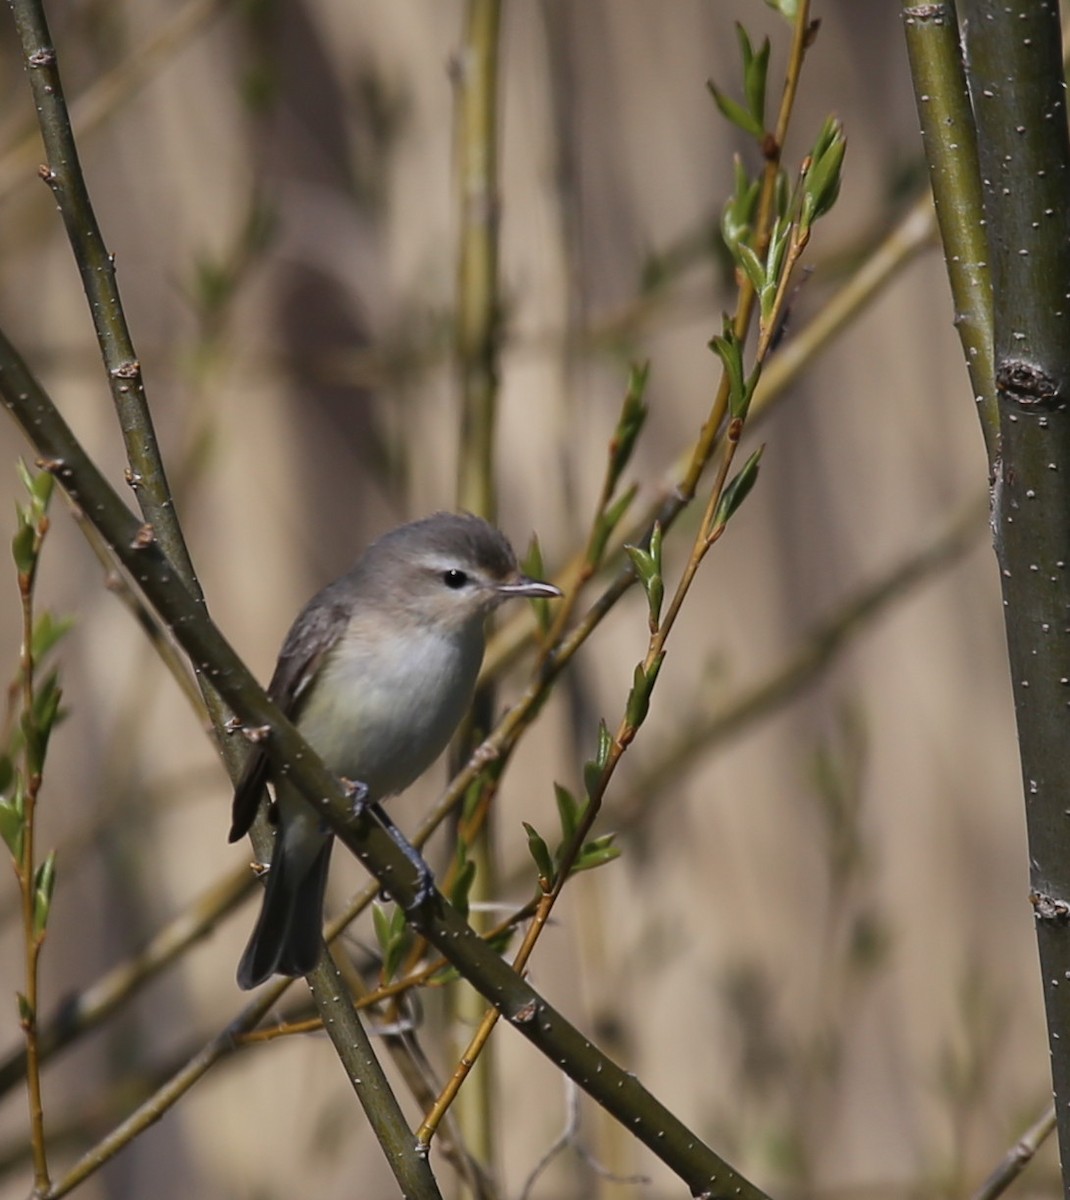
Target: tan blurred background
[(873, 1028)]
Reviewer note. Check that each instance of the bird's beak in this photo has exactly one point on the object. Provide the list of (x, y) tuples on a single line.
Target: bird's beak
[(523, 586)]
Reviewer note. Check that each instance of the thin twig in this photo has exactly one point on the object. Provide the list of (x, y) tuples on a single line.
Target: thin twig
[(106, 94), (478, 346), (87, 1009), (949, 137), (1017, 1158), (64, 176), (26, 866)]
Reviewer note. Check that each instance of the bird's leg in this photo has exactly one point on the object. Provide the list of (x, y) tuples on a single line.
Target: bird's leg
[(361, 803), (425, 880)]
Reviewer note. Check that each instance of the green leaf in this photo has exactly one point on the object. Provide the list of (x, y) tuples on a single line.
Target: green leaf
[(23, 545), (643, 563), (735, 112), (532, 566), (647, 565), (41, 489), (568, 811), (607, 521), (25, 1010), (47, 632), (739, 211), (592, 770), (395, 956), (755, 72), (596, 853), (821, 186), (632, 417), (540, 852), (44, 883), (729, 349), (46, 706), (655, 588), (779, 241), (35, 743), (13, 823), (7, 773), (393, 936), (737, 490), (448, 974), (592, 775), (639, 697), (655, 595), (752, 265), (380, 925), (605, 745), (776, 254), (656, 535), (789, 9), (24, 474)]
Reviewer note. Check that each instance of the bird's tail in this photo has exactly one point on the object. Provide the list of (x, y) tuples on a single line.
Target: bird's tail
[(288, 932)]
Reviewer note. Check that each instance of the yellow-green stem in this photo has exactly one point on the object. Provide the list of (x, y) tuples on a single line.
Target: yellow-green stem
[(478, 341), (31, 938)]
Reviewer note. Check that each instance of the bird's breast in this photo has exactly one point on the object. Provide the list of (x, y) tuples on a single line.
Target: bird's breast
[(382, 709)]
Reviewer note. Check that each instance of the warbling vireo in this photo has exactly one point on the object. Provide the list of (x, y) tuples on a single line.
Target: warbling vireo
[(376, 672)]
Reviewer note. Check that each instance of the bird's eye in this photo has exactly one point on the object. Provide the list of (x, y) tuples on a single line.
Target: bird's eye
[(454, 578)]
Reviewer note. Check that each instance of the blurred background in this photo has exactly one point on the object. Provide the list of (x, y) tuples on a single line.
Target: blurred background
[(817, 946)]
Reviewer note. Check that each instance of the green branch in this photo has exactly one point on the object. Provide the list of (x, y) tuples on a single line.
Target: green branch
[(96, 264), (1016, 87), (950, 142)]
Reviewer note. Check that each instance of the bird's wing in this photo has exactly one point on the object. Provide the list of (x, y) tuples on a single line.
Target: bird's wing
[(311, 638)]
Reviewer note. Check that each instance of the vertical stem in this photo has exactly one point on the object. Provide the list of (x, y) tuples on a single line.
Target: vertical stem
[(478, 344), (949, 137), (31, 938), (411, 1168), (478, 299), (1017, 89)]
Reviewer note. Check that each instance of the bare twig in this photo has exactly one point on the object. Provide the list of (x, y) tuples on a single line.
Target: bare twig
[(1017, 1158)]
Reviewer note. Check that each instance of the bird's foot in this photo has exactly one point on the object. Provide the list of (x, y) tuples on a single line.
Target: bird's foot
[(425, 890), (357, 794)]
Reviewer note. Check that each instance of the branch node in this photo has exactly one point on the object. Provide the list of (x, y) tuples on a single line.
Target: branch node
[(1025, 384), (937, 13), (1048, 908), (524, 1014), (144, 537)]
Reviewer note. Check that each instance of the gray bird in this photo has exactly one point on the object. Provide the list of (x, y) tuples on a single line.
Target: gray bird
[(376, 672)]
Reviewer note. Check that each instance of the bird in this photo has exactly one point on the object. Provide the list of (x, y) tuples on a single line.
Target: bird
[(377, 671)]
